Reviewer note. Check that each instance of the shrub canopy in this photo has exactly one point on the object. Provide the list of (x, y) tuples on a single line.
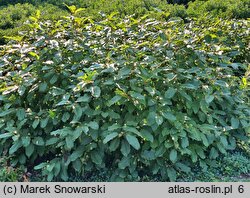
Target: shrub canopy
[(131, 96)]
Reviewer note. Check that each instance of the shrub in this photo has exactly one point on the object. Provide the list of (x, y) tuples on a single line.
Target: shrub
[(14, 17), (220, 8), (235, 164), (232, 167), (136, 97), (176, 11), (129, 7)]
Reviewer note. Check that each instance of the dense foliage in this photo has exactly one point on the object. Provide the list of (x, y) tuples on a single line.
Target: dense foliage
[(13, 15), (222, 8), (134, 96), (84, 2), (226, 9)]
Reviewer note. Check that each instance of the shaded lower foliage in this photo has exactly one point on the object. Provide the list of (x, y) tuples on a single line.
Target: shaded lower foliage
[(133, 96)]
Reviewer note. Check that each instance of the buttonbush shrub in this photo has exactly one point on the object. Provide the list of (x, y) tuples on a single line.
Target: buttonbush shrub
[(134, 96)]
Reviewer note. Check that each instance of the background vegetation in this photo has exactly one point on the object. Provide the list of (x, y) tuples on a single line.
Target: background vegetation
[(14, 15)]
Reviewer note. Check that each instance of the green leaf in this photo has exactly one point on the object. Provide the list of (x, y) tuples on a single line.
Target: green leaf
[(51, 141), (184, 142), (25, 141), (195, 107), (209, 98), (77, 165), (21, 114), (6, 135), (64, 171), (53, 79), (150, 90), (72, 8), (235, 123), (208, 127), (93, 125), (38, 14), (114, 127), (223, 140), (114, 144), (213, 153), (151, 118), (84, 98), (183, 167), (123, 72), (78, 132), (185, 95), (15, 38), (131, 129), (34, 55), (52, 114), (65, 116), (170, 93), (50, 177), (148, 155), (133, 141), (44, 122), (57, 168), (62, 102), (104, 114), (204, 139), (76, 154), (125, 148), (194, 156), (50, 167), (137, 96), (166, 131), (114, 100), (80, 9), (110, 137), (69, 142), (78, 112), (200, 152), (35, 123), (114, 115), (158, 119), (171, 174), (15, 147), (7, 112), (29, 150), (40, 166), (169, 116), (38, 141), (34, 19), (147, 135), (96, 91), (173, 155), (96, 157), (125, 162), (190, 86)]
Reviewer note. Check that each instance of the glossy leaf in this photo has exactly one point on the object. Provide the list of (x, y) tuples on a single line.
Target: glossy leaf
[(133, 141)]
